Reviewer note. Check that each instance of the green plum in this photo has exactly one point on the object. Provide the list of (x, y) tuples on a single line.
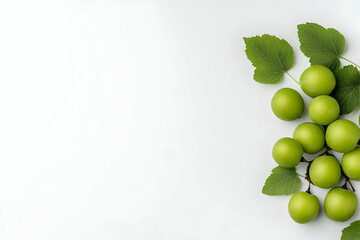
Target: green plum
[(287, 104), (317, 80), (311, 137), (342, 135), (340, 204), (303, 207), (323, 110), (287, 152), (325, 171), (350, 164)]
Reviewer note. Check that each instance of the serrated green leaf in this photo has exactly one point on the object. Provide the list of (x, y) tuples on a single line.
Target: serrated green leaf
[(352, 232), (271, 57), (282, 181), (347, 89), (323, 46)]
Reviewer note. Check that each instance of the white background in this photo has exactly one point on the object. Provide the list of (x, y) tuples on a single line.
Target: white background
[(140, 119)]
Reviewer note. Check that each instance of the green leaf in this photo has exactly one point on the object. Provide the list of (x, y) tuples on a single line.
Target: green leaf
[(323, 46), (271, 57), (352, 232), (347, 89), (282, 181)]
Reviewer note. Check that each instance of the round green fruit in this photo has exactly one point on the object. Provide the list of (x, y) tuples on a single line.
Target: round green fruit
[(287, 152), (317, 80), (303, 207), (323, 110), (340, 204), (325, 171), (350, 164), (287, 104), (311, 137), (342, 135)]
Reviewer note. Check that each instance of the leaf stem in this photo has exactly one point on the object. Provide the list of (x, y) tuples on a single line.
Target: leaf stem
[(350, 61), (292, 78)]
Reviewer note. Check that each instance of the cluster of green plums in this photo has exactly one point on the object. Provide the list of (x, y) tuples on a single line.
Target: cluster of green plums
[(325, 130)]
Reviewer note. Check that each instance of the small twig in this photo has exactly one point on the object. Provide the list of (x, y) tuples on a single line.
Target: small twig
[(348, 180), (308, 190), (304, 160), (307, 177), (325, 152)]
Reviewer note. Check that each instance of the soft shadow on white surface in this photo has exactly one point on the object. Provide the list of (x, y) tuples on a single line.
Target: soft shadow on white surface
[(140, 119)]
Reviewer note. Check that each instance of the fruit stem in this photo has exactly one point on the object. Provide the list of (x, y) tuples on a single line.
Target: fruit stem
[(292, 78), (307, 177), (304, 160), (344, 185), (348, 180), (308, 190), (350, 61), (326, 151)]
